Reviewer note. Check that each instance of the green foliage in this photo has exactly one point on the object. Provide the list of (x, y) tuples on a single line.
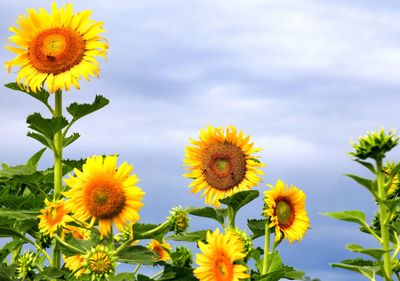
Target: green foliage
[(240, 199), (46, 127), (42, 95), (207, 212), (257, 227), (79, 110), (136, 255), (190, 236), (349, 216)]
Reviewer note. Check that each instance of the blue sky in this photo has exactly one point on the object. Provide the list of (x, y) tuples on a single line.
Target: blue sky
[(303, 78)]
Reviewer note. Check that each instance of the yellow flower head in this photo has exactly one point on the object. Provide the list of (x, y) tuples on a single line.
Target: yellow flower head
[(160, 249), (75, 264), (76, 232), (55, 215), (56, 49), (100, 263), (286, 209), (217, 260), (104, 193), (221, 163)]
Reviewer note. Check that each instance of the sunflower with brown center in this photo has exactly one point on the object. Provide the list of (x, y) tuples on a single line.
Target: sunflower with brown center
[(218, 257), (222, 163), (104, 193), (160, 249), (56, 49), (55, 215), (286, 210)]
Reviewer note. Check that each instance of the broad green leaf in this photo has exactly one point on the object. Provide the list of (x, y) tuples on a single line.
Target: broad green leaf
[(367, 165), (50, 273), (125, 276), (208, 212), (190, 237), (80, 110), (257, 227), (136, 255), (375, 253), (79, 244), (41, 95), (240, 199), (177, 273), (17, 170), (391, 204), (46, 126), (42, 139), (350, 216), (68, 140), (9, 248), (19, 215), (369, 184), (148, 231), (34, 160), (365, 267), (142, 277), (9, 232)]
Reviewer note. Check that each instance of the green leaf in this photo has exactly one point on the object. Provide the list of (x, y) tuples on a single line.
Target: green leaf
[(68, 140), (177, 273), (34, 160), (42, 139), (45, 126), (369, 184), (19, 215), (9, 248), (350, 216), (208, 212), (42, 95), (240, 199), (257, 227), (141, 230), (50, 273), (190, 236), (125, 276), (367, 165), (9, 232), (391, 204), (136, 255), (142, 277), (375, 253), (365, 267), (17, 170), (80, 110)]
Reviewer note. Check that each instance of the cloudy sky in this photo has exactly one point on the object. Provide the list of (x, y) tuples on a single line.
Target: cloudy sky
[(303, 78)]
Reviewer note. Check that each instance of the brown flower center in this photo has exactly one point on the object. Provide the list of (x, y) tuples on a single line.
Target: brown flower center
[(224, 165), (104, 199), (284, 212), (56, 50)]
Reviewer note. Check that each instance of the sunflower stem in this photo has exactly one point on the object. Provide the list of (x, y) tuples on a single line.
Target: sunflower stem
[(62, 242), (266, 249), (387, 265), (165, 226), (137, 268), (58, 146)]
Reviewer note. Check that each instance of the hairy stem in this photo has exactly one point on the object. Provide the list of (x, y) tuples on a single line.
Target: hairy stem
[(266, 249)]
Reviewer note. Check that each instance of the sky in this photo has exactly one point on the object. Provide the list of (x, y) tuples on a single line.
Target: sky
[(302, 78)]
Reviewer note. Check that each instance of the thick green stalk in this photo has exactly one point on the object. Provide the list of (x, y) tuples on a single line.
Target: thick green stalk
[(58, 146), (387, 265), (266, 249)]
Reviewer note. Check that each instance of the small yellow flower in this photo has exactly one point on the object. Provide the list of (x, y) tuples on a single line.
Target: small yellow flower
[(103, 192), (160, 249), (57, 48), (286, 210), (222, 163), (55, 215), (75, 264), (100, 263), (218, 257)]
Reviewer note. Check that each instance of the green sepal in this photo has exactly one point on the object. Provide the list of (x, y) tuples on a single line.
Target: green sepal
[(375, 253), (207, 212), (68, 140), (79, 110), (240, 199), (48, 127), (190, 236), (257, 227), (350, 216), (136, 255)]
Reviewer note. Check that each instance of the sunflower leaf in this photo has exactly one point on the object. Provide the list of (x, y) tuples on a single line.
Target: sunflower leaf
[(350, 216), (190, 237), (34, 160), (240, 199), (41, 95), (257, 227), (79, 110), (375, 253), (208, 212), (48, 127), (136, 255), (369, 184), (367, 165), (9, 232), (364, 267), (68, 140)]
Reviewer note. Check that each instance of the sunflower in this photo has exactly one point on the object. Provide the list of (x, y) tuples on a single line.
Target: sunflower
[(221, 163), (160, 249), (76, 232), (75, 264), (104, 193), (57, 48), (286, 210), (100, 262), (55, 215), (217, 260)]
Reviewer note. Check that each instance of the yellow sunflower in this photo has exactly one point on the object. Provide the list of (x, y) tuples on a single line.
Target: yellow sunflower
[(160, 249), (286, 209), (217, 260), (75, 264), (222, 163), (56, 49), (104, 193), (55, 215), (100, 263)]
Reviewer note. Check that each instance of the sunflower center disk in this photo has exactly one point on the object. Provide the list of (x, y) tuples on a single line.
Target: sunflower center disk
[(56, 50), (104, 201), (223, 269), (224, 165), (100, 263), (55, 214), (284, 213)]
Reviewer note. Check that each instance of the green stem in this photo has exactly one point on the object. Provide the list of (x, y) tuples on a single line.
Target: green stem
[(161, 228), (62, 242), (157, 275), (231, 218), (266, 249), (137, 268), (387, 265), (58, 146)]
